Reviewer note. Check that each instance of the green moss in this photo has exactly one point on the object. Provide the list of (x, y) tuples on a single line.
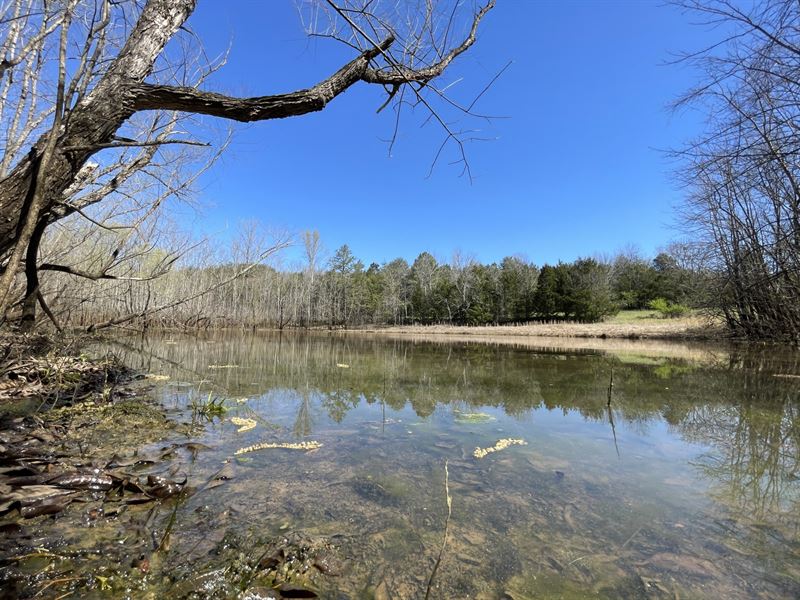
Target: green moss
[(548, 587), (473, 418)]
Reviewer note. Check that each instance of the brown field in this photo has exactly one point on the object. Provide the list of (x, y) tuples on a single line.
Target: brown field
[(637, 333), (627, 325)]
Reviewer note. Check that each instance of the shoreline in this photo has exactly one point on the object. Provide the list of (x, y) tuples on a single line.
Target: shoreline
[(635, 328), (624, 346), (683, 330), (693, 338), (689, 338)]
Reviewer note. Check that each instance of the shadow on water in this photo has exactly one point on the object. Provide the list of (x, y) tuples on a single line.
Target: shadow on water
[(685, 485)]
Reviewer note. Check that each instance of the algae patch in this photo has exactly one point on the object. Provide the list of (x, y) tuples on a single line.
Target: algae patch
[(500, 445), (243, 423), (463, 418), (156, 377), (282, 445), (102, 428)]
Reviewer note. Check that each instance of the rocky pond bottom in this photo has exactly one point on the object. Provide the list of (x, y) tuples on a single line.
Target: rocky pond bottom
[(344, 467)]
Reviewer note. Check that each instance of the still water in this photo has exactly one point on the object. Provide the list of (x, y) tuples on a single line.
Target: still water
[(686, 486)]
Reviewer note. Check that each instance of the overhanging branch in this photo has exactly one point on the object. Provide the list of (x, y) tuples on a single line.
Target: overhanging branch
[(146, 96)]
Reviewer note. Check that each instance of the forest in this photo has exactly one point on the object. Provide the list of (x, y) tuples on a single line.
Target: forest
[(341, 291)]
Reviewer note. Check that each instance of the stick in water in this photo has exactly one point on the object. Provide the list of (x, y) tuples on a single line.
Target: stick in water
[(446, 527)]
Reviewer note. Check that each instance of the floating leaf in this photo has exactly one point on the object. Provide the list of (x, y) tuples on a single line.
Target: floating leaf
[(161, 487), (77, 480), (226, 473)]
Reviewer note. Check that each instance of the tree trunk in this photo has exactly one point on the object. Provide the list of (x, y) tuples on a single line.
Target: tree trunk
[(28, 320)]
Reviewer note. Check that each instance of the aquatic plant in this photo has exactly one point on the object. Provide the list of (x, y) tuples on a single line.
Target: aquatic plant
[(282, 445), (212, 407), (500, 445), (476, 417)]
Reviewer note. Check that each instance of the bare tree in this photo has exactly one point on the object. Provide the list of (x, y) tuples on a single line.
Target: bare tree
[(743, 175), (311, 244), (122, 70)]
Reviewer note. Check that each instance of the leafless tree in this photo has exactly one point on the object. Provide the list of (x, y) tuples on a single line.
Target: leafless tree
[(743, 175), (311, 244), (122, 85)]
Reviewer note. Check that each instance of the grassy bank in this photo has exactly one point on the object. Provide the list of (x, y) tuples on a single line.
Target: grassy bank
[(632, 334)]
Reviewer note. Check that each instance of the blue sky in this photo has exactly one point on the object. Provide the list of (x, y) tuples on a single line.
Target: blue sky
[(576, 169)]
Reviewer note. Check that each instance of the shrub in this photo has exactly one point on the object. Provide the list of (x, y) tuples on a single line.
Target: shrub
[(668, 309)]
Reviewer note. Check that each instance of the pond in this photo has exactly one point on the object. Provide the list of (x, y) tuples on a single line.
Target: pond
[(622, 474)]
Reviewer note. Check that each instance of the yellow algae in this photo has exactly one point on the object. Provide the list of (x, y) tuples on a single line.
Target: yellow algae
[(244, 424), (282, 445), (155, 377), (500, 445)]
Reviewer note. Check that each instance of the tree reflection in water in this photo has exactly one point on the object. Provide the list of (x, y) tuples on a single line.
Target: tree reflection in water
[(742, 418)]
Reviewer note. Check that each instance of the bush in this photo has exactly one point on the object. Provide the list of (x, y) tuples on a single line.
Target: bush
[(668, 309)]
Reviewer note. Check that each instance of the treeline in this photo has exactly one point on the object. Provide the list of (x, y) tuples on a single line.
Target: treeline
[(344, 292)]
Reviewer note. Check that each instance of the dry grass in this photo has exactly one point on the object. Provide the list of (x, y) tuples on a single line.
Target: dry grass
[(634, 333), (627, 350), (638, 325)]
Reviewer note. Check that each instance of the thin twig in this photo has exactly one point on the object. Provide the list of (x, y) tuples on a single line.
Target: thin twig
[(630, 539), (613, 428), (446, 527)]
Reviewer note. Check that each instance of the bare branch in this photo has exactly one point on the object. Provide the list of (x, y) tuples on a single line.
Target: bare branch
[(135, 144), (224, 282), (159, 97)]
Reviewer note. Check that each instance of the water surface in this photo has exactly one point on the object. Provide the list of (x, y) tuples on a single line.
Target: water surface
[(686, 486)]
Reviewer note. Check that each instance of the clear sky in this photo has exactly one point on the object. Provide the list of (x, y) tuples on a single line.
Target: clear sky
[(577, 168)]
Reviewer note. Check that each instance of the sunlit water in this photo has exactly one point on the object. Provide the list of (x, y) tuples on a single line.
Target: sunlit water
[(685, 487)]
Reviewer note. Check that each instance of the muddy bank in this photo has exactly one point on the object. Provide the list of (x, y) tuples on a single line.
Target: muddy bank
[(94, 469), (71, 429)]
